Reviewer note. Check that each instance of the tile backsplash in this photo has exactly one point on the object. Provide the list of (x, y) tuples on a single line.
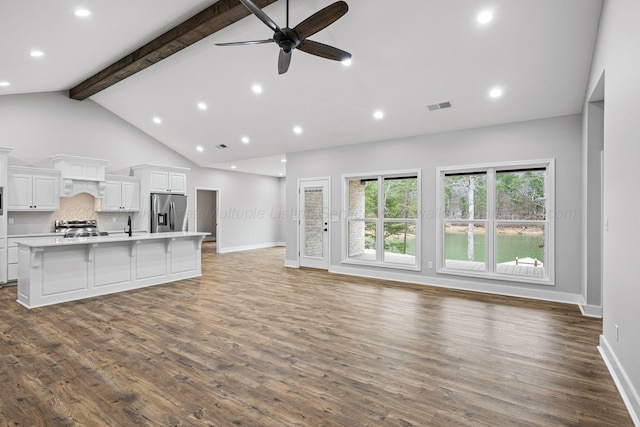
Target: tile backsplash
[(78, 207)]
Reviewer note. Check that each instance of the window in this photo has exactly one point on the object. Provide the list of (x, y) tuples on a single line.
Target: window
[(381, 225), (494, 221)]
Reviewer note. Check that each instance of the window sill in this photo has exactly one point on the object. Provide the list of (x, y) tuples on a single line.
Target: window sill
[(497, 276), (395, 266)]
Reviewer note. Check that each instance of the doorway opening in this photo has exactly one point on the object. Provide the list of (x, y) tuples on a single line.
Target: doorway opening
[(207, 206)]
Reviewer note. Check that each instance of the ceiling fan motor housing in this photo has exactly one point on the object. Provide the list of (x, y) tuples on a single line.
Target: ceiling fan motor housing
[(287, 39)]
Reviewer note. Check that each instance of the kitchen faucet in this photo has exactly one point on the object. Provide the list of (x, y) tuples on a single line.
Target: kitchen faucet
[(128, 230)]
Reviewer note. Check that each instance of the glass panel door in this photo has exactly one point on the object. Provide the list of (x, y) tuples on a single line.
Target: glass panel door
[(314, 224)]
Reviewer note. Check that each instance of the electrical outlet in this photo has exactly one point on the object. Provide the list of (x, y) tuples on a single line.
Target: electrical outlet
[(10, 221), (113, 219), (617, 333), (430, 264)]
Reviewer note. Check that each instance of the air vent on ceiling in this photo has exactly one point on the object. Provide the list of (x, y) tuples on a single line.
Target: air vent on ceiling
[(439, 106), (221, 146)]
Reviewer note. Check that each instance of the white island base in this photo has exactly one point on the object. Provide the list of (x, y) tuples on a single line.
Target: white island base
[(55, 270)]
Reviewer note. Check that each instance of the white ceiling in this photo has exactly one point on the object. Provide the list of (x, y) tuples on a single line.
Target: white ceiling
[(406, 54)]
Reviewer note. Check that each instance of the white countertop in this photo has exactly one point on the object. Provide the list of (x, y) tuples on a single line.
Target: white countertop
[(31, 235), (62, 241), (21, 236)]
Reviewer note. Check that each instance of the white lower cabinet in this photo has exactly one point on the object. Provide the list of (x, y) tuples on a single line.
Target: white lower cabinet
[(57, 270), (12, 260)]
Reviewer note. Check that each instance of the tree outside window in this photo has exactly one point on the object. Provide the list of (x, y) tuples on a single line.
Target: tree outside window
[(382, 225), (494, 220)]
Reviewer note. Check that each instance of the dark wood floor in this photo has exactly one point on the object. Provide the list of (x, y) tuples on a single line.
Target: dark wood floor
[(252, 343)]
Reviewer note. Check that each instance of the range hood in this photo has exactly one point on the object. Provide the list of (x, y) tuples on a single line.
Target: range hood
[(80, 175)]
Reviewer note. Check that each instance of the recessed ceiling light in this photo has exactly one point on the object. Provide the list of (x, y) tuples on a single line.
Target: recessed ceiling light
[(82, 13), (36, 53), (485, 17), (202, 106), (283, 160), (245, 140), (157, 120), (297, 130), (200, 148), (233, 166), (379, 114), (5, 84), (346, 62), (256, 88), (496, 92), (280, 174)]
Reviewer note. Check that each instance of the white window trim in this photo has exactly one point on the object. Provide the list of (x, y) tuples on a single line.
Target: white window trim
[(549, 242), (380, 256)]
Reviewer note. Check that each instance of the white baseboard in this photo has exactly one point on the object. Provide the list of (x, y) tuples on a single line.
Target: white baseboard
[(591, 310), (628, 393), (539, 294), (291, 263), (249, 247)]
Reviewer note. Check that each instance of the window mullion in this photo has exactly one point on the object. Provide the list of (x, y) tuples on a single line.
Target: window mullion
[(380, 221), (491, 230)]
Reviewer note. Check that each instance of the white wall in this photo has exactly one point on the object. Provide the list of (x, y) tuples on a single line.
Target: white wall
[(248, 208), (618, 57), (558, 138), (41, 125)]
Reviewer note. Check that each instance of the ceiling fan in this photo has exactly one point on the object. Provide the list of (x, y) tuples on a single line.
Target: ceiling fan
[(289, 39)]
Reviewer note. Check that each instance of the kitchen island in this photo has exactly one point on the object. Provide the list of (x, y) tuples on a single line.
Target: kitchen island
[(52, 270)]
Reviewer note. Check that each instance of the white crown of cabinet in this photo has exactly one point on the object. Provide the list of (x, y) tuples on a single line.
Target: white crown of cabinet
[(81, 174)]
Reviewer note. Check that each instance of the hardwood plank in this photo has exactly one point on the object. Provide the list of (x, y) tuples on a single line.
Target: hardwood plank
[(255, 343)]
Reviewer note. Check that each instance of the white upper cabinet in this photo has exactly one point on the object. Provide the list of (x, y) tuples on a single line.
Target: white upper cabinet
[(131, 195), (162, 179), (32, 189), (168, 182), (121, 194)]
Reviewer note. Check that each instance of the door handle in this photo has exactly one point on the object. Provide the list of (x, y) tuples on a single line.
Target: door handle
[(171, 214)]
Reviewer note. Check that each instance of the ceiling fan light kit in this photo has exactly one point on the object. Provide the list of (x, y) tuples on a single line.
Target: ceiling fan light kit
[(289, 39)]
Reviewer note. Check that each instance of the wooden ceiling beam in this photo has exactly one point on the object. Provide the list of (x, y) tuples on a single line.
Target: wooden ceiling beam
[(214, 18)]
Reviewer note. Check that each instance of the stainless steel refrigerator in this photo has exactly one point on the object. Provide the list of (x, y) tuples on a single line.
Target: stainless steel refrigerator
[(168, 212)]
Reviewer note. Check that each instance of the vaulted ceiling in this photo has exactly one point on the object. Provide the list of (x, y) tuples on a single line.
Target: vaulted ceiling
[(407, 55)]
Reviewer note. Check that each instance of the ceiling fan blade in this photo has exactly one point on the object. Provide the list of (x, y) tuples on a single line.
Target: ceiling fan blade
[(260, 14), (245, 43), (284, 59), (324, 50), (321, 19)]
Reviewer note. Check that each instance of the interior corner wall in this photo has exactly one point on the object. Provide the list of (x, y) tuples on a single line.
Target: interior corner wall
[(593, 145), (40, 125), (618, 57), (282, 212), (558, 138)]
